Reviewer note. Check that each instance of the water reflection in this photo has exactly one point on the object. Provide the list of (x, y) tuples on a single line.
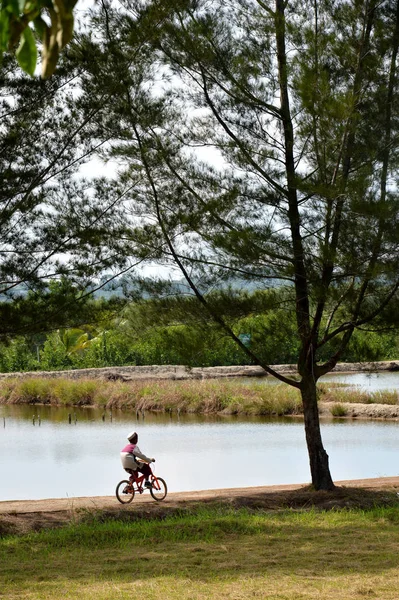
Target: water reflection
[(58, 459), (382, 380)]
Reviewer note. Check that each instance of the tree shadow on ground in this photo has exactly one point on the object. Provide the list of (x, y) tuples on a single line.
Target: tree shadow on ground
[(233, 544)]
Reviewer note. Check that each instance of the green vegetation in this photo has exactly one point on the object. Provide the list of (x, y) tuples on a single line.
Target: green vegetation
[(231, 396), (210, 553), (295, 104), (338, 410), (15, 21), (208, 396), (169, 332), (296, 107)]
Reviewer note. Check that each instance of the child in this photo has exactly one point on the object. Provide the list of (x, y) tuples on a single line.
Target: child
[(129, 455)]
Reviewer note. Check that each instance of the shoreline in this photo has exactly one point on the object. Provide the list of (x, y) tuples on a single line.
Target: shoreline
[(353, 410), (219, 391)]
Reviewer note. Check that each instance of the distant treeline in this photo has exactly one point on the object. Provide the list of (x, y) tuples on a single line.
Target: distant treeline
[(160, 332)]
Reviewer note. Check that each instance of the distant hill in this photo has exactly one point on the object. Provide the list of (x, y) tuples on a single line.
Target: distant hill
[(127, 287)]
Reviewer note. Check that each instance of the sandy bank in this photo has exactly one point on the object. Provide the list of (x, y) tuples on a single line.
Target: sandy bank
[(355, 410)]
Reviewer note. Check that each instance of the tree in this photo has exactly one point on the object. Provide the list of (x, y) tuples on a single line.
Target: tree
[(49, 220), (298, 106)]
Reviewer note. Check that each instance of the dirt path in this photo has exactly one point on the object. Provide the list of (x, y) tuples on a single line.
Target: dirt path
[(24, 516), (54, 505), (108, 502)]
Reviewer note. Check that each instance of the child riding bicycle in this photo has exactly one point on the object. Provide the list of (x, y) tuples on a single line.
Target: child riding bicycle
[(129, 455)]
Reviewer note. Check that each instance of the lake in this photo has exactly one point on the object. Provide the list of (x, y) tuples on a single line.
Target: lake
[(67, 460), (383, 380), (369, 381)]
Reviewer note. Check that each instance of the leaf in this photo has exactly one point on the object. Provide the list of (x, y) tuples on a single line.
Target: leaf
[(40, 26), (4, 29), (27, 52), (12, 6)]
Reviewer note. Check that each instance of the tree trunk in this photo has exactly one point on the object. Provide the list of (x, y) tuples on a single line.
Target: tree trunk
[(318, 457)]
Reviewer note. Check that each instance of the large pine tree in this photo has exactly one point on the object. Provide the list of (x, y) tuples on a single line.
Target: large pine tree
[(259, 139)]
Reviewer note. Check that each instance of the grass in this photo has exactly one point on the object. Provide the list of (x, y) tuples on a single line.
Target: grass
[(338, 393), (199, 396), (338, 410), (209, 396), (212, 553)]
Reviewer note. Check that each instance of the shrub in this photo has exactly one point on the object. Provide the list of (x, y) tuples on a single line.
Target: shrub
[(31, 391), (338, 410)]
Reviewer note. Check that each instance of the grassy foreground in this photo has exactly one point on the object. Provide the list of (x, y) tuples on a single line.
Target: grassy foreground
[(210, 554), (199, 396)]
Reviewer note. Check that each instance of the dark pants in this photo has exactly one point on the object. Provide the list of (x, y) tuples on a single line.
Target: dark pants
[(145, 469)]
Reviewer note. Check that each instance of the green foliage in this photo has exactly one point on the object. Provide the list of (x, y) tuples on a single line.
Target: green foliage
[(50, 227), (27, 52), (109, 347), (54, 355), (372, 346), (77, 393), (273, 336), (148, 334), (15, 19), (298, 104), (306, 205), (61, 304), (176, 330), (338, 410), (18, 355)]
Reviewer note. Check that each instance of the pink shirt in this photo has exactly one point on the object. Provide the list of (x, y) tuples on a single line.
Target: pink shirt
[(129, 448)]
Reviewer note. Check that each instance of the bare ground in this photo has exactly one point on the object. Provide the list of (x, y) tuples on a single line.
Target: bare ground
[(23, 516)]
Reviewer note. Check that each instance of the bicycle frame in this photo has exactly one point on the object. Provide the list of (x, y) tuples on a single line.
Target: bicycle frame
[(137, 481)]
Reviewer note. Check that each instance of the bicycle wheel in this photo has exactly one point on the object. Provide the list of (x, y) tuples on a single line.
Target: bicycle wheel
[(125, 491), (159, 488)]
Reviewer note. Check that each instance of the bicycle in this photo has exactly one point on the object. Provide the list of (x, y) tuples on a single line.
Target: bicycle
[(126, 489)]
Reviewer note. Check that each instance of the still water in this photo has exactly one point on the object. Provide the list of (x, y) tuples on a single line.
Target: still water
[(384, 380), (67, 460), (369, 381)]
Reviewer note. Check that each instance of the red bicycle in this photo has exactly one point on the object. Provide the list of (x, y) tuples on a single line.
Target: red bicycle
[(126, 488)]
